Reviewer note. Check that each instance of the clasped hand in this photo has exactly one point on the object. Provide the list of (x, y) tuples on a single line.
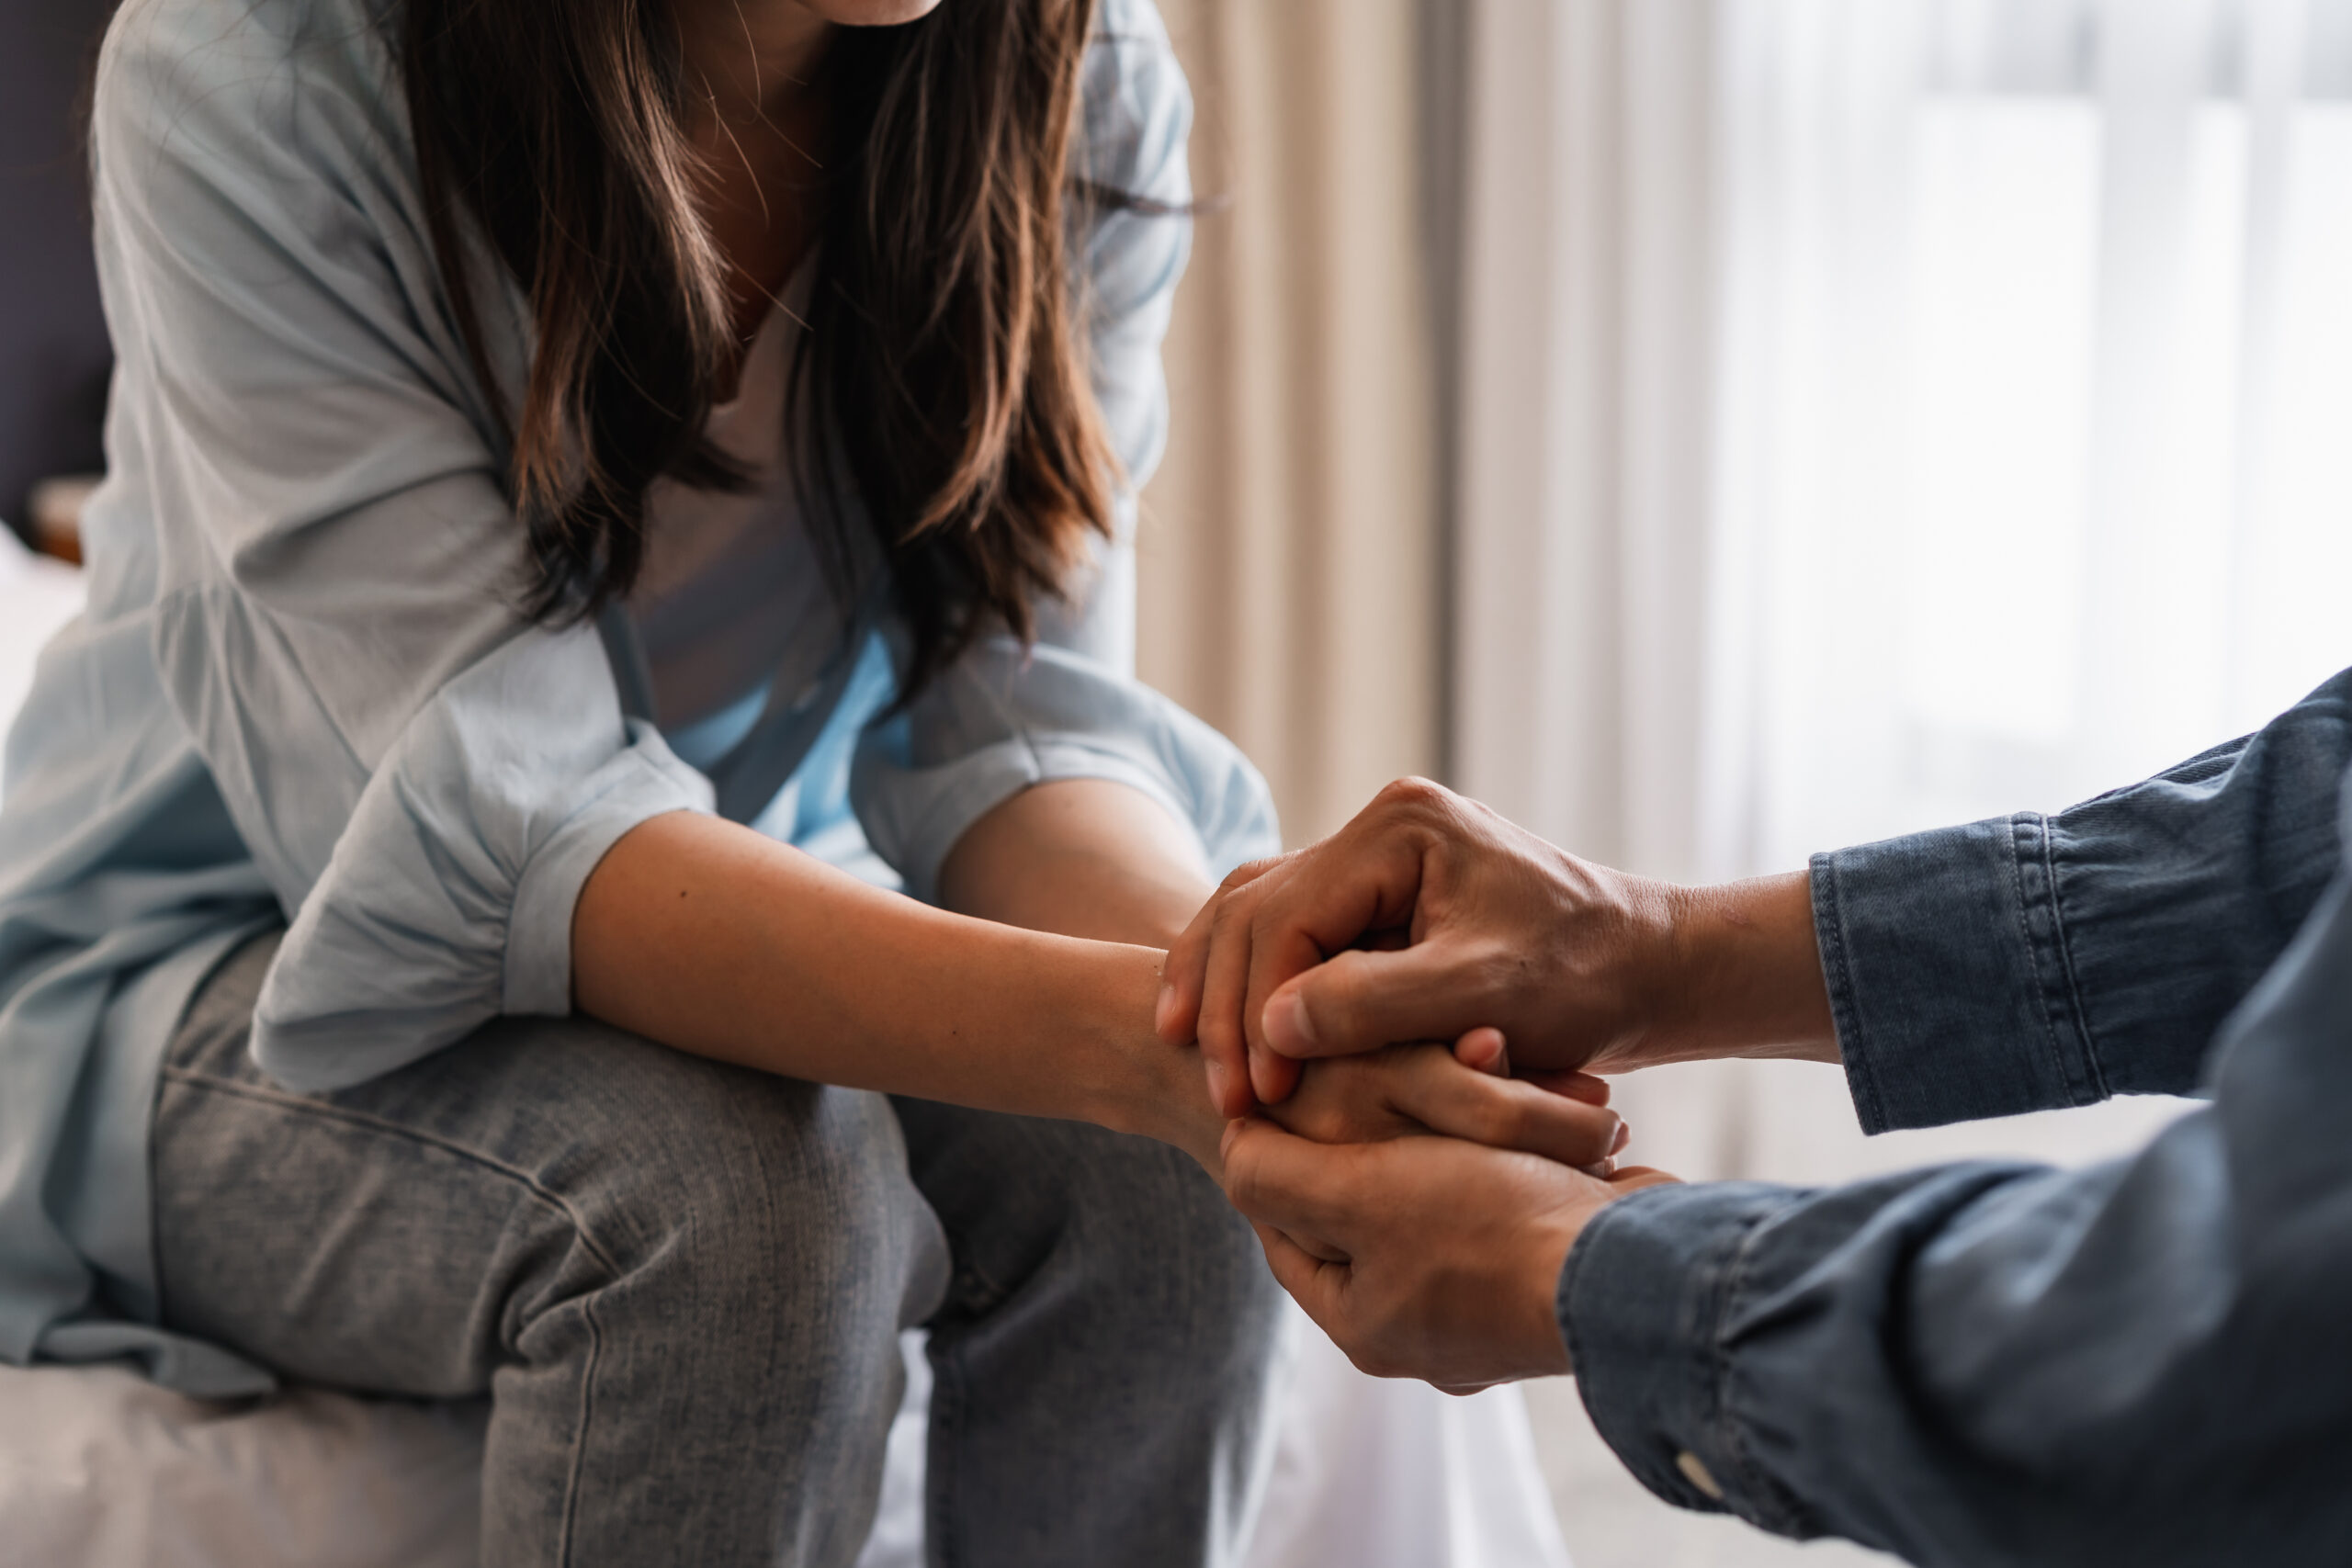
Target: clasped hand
[(1420, 1208), (1430, 917)]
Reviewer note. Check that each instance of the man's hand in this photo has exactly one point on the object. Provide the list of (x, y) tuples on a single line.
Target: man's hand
[(1435, 916), (1429, 915), (1420, 1257)]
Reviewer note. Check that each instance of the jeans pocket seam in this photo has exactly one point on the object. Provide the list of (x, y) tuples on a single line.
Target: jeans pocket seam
[(384, 1126)]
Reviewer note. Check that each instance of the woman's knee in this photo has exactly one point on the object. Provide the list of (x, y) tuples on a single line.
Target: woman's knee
[(1176, 1250), (1039, 1208), (738, 1201)]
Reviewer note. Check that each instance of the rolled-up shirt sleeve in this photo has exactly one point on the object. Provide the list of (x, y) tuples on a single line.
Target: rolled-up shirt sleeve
[(424, 776), (1006, 718), (2032, 961)]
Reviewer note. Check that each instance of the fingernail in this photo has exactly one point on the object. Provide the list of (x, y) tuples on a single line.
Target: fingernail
[(1219, 1080), (1625, 1136), (1224, 1142), (1164, 1009), (1288, 1029)]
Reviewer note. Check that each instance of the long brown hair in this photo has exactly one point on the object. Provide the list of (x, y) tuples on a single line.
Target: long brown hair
[(945, 365)]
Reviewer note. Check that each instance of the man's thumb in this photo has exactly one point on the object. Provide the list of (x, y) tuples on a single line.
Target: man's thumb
[(1360, 1001)]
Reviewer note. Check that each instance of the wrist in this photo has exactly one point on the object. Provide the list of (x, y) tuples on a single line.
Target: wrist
[(1741, 975), (1537, 1293), (1136, 1082)]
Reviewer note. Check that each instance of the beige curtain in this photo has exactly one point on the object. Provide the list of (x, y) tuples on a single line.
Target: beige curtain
[(1290, 550)]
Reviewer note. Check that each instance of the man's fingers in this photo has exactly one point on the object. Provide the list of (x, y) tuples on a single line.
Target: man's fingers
[(1280, 949), (1300, 1188), (1321, 1251), (1176, 1016), (1317, 1284), (1364, 879), (1224, 984), (1446, 1097), (1360, 1001), (1272, 1077)]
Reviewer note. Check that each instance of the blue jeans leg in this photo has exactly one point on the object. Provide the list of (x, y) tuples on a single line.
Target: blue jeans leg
[(1107, 1355), (680, 1285)]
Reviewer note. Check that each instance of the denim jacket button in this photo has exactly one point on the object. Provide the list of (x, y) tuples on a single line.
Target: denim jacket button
[(1694, 1470)]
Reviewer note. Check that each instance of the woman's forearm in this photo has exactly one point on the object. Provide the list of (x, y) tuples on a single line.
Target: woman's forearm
[(1083, 857), (716, 939)]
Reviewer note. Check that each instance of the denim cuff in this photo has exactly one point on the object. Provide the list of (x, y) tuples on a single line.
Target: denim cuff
[(1642, 1301), (1950, 977)]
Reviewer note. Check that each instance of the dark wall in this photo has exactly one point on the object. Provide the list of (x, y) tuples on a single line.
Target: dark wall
[(53, 353)]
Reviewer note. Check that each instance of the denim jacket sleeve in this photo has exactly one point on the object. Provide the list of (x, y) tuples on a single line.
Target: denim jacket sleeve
[(2139, 1362), (2005, 1364), (2034, 961)]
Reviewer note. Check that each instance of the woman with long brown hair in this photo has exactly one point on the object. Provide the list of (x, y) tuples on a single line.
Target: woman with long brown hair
[(582, 476)]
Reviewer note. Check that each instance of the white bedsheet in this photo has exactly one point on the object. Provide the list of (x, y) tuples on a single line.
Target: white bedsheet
[(98, 1467)]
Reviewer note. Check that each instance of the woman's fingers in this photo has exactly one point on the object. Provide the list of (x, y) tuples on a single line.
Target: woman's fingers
[(1408, 1089), (1587, 1087), (1484, 1050), (1446, 1097)]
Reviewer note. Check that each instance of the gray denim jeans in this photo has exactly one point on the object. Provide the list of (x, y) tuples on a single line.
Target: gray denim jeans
[(680, 1285)]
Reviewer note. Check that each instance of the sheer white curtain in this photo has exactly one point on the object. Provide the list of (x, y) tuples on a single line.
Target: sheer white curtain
[(2036, 388), (1877, 413), (1887, 413)]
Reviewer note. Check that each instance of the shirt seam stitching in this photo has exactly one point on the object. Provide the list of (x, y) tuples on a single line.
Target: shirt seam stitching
[(1845, 1010), (2023, 904), (2080, 1019), (1784, 1510), (510, 951), (2048, 989)]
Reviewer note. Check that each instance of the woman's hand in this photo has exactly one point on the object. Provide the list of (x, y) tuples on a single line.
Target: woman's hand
[(1403, 1090)]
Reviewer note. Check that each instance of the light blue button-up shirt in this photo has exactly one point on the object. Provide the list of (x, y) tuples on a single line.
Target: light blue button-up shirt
[(303, 691)]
